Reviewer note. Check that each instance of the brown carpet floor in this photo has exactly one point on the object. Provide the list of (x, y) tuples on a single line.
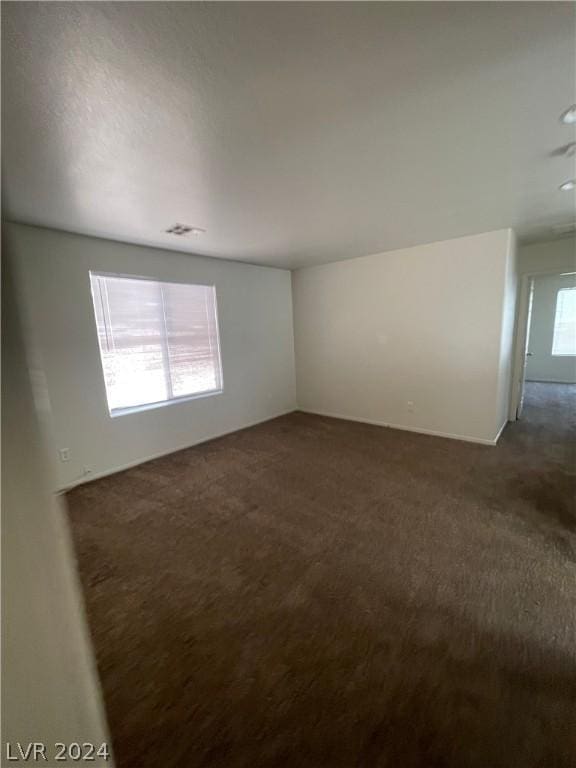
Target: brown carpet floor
[(314, 592)]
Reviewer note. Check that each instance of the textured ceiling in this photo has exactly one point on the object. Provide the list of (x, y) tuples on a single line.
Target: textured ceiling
[(293, 133)]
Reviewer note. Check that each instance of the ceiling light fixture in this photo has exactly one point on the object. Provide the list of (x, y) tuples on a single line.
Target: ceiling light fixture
[(569, 116), (568, 186), (184, 229)]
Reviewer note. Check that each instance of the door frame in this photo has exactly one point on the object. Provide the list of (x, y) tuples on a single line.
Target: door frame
[(519, 367)]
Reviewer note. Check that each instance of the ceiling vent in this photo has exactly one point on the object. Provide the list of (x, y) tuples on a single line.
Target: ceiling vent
[(181, 230)]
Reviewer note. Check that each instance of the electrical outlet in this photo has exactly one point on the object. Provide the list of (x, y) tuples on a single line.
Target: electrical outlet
[(86, 471), (410, 406), (64, 454)]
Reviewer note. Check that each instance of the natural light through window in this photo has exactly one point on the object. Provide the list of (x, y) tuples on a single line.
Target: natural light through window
[(158, 341), (564, 342)]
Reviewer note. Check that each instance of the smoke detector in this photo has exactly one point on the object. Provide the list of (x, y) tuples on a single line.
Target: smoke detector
[(181, 230)]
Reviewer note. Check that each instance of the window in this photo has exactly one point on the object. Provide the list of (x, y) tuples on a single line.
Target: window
[(564, 342), (158, 341)]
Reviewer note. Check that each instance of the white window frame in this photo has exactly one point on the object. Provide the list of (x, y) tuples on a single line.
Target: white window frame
[(127, 410)]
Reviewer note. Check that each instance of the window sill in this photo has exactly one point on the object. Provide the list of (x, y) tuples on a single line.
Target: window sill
[(162, 403)]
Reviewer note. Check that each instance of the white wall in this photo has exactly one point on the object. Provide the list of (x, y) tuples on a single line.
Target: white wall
[(256, 335), (541, 365), (430, 325), (50, 690), (551, 256)]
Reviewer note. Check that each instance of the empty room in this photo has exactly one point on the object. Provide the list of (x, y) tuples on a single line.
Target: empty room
[(289, 384)]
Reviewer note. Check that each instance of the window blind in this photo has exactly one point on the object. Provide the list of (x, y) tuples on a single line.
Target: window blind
[(158, 341), (564, 339)]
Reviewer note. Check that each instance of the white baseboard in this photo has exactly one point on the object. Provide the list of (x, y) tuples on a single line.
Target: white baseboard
[(502, 428), (132, 464), (404, 428)]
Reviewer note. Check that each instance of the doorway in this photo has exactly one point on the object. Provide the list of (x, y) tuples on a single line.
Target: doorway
[(546, 339)]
